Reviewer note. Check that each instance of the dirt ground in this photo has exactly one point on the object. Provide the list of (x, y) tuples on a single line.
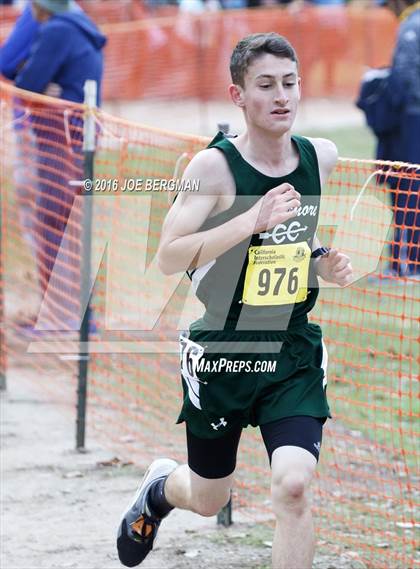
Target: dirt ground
[(60, 508)]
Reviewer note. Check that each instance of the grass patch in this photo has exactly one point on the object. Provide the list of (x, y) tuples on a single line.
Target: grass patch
[(352, 142)]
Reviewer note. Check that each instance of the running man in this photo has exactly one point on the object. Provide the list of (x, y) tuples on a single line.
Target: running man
[(247, 240)]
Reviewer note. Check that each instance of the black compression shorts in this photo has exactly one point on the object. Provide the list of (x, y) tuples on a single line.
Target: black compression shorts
[(216, 458)]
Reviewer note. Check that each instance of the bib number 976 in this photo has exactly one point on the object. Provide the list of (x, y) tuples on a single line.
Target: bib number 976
[(277, 274), (266, 279)]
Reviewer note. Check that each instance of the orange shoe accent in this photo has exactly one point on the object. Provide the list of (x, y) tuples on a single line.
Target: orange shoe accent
[(142, 527)]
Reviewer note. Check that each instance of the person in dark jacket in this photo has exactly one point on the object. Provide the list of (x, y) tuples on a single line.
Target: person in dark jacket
[(403, 86), (392, 107), (66, 52), (404, 92)]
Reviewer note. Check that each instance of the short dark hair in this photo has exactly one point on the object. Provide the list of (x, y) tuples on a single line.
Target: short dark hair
[(251, 47)]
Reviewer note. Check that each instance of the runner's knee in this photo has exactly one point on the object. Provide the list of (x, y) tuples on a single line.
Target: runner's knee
[(293, 470), (290, 492), (211, 504), (290, 487)]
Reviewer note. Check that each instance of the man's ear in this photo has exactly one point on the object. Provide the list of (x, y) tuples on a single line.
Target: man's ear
[(236, 93), (299, 82), (40, 14)]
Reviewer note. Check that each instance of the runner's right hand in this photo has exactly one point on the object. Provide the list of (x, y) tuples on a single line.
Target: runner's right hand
[(277, 206)]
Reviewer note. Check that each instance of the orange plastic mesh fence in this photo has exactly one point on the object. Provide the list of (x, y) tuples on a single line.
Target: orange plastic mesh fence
[(187, 56), (366, 488)]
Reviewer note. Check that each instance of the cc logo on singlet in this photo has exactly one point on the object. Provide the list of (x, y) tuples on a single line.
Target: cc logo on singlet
[(281, 232)]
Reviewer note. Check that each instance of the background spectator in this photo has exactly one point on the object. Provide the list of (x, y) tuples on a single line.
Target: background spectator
[(13, 54), (394, 115), (67, 51)]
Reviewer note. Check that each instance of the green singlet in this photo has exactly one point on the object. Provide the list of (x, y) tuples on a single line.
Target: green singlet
[(253, 357)]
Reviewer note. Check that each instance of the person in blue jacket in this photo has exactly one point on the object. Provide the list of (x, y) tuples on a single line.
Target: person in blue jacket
[(16, 49), (391, 100), (13, 54), (65, 52)]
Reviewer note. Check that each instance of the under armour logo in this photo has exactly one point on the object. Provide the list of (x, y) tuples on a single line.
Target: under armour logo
[(222, 423), (317, 446)]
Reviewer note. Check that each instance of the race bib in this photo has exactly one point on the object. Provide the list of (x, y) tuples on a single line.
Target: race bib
[(277, 274)]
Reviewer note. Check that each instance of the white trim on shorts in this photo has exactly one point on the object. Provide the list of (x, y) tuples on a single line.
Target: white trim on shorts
[(324, 364)]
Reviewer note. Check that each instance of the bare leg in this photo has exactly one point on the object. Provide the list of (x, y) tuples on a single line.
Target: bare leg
[(187, 490), (292, 472)]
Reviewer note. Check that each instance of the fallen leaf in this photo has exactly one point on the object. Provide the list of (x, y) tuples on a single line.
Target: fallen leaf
[(191, 554), (352, 554), (127, 439), (74, 474), (113, 462)]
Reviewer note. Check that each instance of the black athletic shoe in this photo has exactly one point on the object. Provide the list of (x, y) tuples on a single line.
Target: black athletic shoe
[(138, 527)]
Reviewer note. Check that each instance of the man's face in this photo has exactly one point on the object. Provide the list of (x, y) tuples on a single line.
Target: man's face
[(271, 93)]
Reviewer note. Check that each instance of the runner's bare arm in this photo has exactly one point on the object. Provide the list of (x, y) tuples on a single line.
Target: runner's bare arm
[(334, 267), (327, 154), (183, 246)]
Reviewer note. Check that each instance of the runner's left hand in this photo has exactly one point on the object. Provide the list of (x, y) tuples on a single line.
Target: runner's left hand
[(335, 268)]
